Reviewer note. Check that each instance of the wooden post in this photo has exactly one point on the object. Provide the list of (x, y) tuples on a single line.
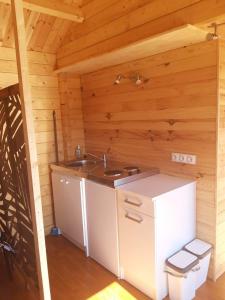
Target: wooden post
[(31, 151)]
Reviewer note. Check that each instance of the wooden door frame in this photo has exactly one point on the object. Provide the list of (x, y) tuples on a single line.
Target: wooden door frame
[(31, 150)]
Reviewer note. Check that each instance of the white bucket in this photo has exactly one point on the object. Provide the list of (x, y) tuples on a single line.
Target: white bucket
[(203, 251), (181, 269)]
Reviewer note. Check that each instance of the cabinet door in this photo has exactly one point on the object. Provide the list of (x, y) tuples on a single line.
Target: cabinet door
[(73, 210), (67, 205), (102, 225), (58, 185), (136, 237)]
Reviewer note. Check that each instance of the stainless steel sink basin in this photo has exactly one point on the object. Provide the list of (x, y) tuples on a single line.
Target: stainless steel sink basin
[(113, 173), (80, 163)]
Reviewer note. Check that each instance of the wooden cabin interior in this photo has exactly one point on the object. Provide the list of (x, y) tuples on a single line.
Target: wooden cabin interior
[(112, 152)]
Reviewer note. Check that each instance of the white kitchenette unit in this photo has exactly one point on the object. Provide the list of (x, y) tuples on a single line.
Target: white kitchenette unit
[(156, 219), (130, 230)]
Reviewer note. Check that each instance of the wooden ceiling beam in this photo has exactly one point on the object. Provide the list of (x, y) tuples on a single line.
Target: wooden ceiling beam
[(176, 38), (53, 8)]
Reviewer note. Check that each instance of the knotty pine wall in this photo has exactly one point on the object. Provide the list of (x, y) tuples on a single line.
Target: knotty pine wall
[(112, 24), (45, 98), (220, 221), (71, 110), (175, 111)]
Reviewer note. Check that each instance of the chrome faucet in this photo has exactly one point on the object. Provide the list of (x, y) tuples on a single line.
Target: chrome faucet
[(103, 158)]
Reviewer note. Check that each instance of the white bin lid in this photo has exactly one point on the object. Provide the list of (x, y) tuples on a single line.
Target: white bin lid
[(198, 248), (182, 261)]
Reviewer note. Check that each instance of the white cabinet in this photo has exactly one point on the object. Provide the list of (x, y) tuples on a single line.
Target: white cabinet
[(68, 207), (136, 233), (156, 219), (102, 225), (130, 231)]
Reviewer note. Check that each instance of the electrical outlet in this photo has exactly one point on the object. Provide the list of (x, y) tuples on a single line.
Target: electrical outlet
[(191, 159), (184, 158)]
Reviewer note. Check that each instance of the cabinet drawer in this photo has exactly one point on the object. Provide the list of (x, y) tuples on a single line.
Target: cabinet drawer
[(139, 203)]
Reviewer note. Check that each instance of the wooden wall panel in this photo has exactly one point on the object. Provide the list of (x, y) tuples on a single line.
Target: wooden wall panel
[(175, 111), (126, 22), (220, 234), (45, 98), (72, 118)]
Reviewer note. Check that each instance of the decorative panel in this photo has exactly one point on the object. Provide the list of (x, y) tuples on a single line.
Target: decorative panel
[(15, 213)]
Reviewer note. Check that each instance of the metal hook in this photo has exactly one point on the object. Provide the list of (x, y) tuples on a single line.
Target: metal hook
[(213, 36)]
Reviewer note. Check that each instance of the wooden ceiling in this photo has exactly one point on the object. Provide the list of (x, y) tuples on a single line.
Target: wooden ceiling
[(47, 33), (119, 24), (43, 32)]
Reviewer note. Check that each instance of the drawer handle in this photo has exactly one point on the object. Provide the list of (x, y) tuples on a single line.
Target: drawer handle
[(133, 203), (133, 219)]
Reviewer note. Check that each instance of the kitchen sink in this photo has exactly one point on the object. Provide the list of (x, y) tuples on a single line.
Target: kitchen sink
[(113, 173), (80, 163)]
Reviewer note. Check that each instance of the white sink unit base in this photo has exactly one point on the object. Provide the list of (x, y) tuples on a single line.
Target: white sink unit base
[(68, 207), (156, 219), (130, 231)]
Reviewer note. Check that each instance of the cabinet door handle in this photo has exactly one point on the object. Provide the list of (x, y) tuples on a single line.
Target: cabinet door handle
[(140, 220), (67, 182), (62, 180), (138, 204)]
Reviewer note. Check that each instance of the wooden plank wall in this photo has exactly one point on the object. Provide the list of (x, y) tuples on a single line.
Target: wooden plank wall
[(220, 234), (175, 111), (71, 110), (111, 24), (45, 98)]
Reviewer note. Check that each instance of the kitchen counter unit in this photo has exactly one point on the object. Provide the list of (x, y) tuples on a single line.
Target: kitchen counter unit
[(157, 217), (156, 185), (96, 172), (85, 198)]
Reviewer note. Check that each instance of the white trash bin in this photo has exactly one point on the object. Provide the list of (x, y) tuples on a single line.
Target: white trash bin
[(203, 251), (181, 269)]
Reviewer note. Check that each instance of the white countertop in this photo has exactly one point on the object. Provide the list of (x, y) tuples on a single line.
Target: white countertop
[(155, 185)]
